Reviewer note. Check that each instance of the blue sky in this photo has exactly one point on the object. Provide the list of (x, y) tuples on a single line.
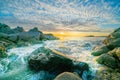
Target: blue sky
[(62, 15)]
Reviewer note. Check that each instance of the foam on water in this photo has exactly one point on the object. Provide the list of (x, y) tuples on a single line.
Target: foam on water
[(79, 50), (15, 67)]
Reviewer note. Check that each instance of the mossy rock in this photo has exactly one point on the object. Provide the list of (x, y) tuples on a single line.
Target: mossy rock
[(100, 50), (108, 60)]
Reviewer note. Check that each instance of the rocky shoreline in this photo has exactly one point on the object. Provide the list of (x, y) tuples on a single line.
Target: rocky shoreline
[(18, 37), (60, 67), (109, 55)]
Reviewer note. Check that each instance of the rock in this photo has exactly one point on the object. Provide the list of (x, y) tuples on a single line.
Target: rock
[(107, 74), (115, 53), (46, 59), (5, 29), (107, 60), (2, 51), (18, 29), (3, 35), (50, 62), (118, 53), (32, 35), (13, 37), (67, 76), (79, 67), (113, 40), (114, 43), (50, 37), (100, 50), (18, 34)]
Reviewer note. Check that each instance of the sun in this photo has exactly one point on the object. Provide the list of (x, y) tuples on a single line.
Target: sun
[(62, 33)]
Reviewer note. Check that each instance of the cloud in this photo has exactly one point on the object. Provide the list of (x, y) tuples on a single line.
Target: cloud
[(72, 15)]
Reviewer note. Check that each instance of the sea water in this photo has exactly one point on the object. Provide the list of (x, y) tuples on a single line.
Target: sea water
[(15, 66)]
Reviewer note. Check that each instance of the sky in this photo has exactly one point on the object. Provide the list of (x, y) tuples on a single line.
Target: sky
[(62, 15)]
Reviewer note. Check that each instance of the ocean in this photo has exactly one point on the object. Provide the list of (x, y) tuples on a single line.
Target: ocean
[(15, 66)]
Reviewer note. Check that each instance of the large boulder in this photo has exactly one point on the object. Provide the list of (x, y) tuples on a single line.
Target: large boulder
[(108, 60), (46, 59), (107, 74), (113, 40), (115, 53), (114, 43), (50, 62), (99, 50), (67, 76)]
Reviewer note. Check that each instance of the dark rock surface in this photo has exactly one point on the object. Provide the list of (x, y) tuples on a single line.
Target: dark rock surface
[(46, 59)]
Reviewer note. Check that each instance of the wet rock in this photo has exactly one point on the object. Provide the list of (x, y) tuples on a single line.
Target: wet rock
[(67, 76), (79, 67), (50, 62), (114, 43), (55, 63), (108, 74), (100, 50), (113, 40), (111, 58), (115, 53), (107, 60)]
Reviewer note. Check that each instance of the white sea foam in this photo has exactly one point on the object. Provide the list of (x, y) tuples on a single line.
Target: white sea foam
[(14, 67)]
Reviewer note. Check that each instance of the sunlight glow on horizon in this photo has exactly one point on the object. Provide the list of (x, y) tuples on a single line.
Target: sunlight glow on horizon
[(77, 34)]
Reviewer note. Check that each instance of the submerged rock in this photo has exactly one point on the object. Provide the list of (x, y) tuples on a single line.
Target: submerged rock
[(67, 76)]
